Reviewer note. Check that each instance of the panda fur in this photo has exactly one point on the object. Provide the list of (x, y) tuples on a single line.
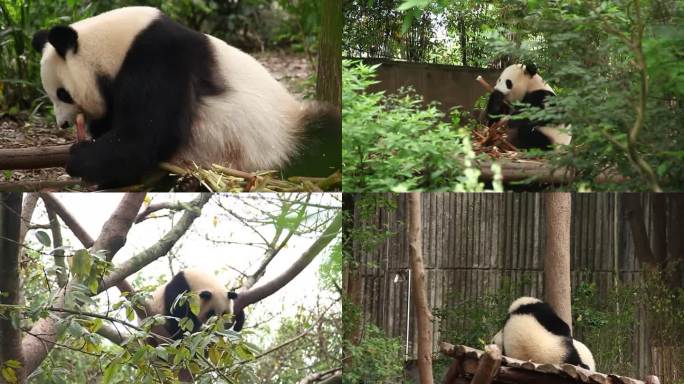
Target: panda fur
[(152, 90), (215, 299), (521, 83), (533, 331)]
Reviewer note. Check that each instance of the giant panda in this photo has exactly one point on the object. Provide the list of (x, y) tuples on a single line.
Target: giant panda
[(215, 299), (533, 331), (521, 83), (153, 90)]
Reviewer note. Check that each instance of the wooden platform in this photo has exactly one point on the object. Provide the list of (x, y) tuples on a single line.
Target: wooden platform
[(475, 366)]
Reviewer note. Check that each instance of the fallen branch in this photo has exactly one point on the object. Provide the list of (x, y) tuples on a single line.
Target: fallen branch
[(34, 157), (37, 186), (540, 172)]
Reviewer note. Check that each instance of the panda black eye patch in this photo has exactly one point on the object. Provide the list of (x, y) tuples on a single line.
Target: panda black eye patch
[(64, 96), (509, 84)]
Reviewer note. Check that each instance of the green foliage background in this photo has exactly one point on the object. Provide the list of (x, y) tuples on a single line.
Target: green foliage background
[(395, 143)]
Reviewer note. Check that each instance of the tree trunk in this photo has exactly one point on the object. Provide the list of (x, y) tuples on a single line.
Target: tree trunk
[(463, 39), (659, 228), (557, 258), (675, 240), (420, 302), (329, 73), (10, 228), (634, 213), (351, 282)]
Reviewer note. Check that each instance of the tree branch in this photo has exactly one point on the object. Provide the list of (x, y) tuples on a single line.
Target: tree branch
[(160, 248), (71, 222), (56, 229), (157, 207), (256, 294), (274, 248), (113, 234)]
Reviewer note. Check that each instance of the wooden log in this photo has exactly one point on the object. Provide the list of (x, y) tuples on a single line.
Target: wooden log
[(468, 362), (541, 172), (489, 365), (454, 373), (516, 375), (34, 186), (34, 157)]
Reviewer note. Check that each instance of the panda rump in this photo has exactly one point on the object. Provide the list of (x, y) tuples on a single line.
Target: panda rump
[(533, 331)]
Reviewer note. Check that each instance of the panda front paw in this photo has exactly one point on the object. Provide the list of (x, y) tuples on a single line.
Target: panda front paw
[(78, 160)]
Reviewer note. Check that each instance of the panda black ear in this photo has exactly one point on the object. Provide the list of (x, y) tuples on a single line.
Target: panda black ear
[(531, 69), (232, 295), (205, 295), (39, 40), (63, 38)]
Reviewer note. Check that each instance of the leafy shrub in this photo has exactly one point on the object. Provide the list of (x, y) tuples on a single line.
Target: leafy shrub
[(376, 359), (394, 142)]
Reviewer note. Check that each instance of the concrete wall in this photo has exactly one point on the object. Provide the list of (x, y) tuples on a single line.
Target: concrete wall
[(450, 85)]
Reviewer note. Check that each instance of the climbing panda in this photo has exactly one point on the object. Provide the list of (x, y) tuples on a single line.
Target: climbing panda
[(152, 90), (215, 300), (533, 331), (521, 83)]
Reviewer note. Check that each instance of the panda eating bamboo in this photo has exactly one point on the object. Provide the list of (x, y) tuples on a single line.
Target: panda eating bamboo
[(152, 90), (520, 83)]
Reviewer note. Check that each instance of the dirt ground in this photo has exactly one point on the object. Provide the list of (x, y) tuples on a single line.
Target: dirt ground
[(292, 70)]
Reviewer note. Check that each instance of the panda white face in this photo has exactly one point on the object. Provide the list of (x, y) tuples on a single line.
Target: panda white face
[(74, 56), (216, 300), (513, 82), (517, 80), (54, 83)]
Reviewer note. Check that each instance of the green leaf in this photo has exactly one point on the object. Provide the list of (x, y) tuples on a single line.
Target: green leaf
[(14, 364), (214, 356), (408, 4), (162, 353), (43, 238), (9, 375), (186, 324), (81, 264), (109, 372), (194, 304)]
